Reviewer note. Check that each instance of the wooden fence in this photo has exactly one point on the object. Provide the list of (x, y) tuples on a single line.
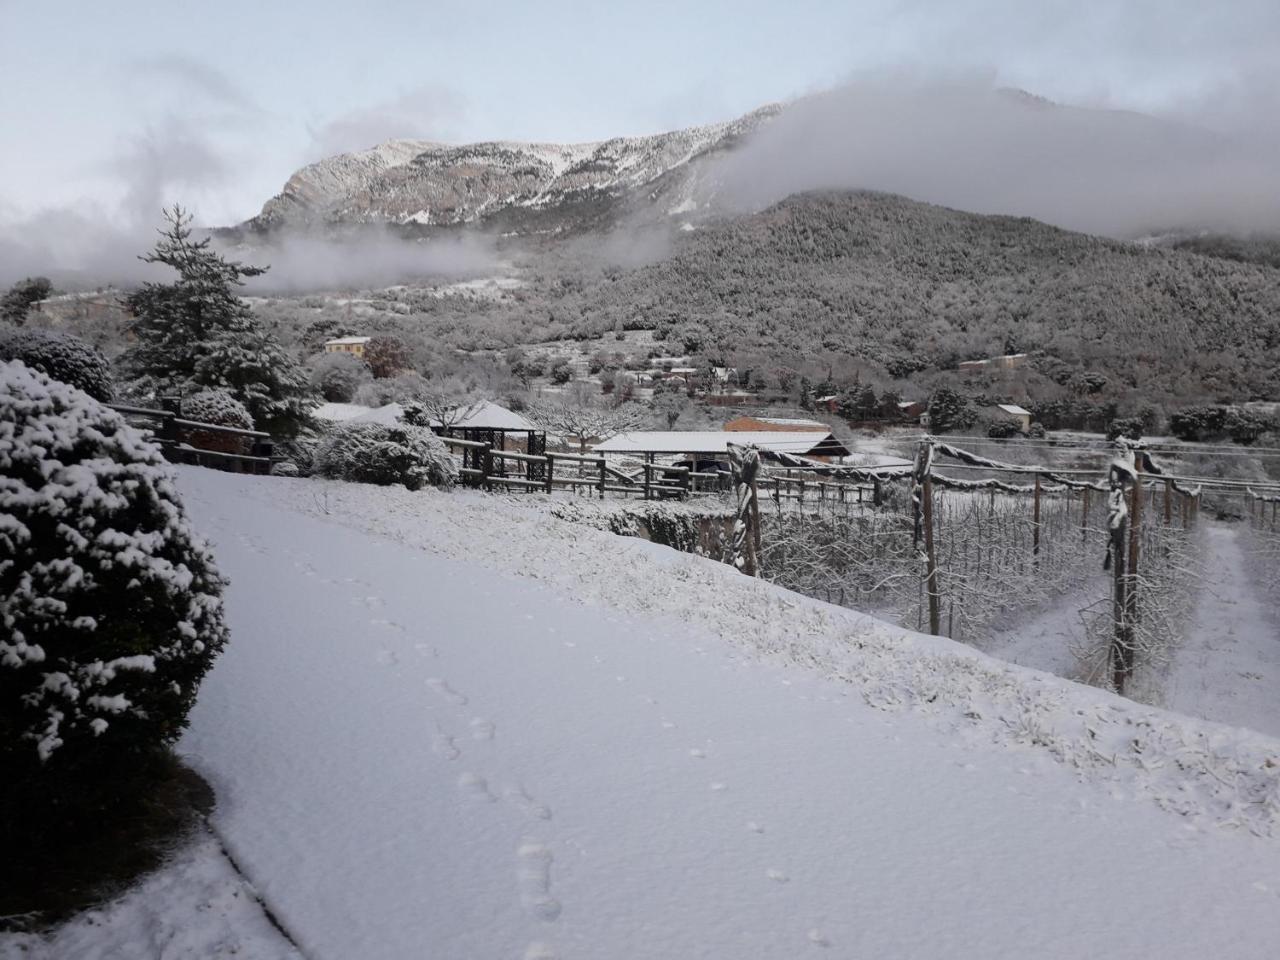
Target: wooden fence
[(173, 433), (488, 467)]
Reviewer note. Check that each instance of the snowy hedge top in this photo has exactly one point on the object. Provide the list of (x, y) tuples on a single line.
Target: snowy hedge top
[(61, 356), (385, 454), (217, 407), (110, 605)]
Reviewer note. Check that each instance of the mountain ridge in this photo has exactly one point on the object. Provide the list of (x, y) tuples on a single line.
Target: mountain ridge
[(430, 184)]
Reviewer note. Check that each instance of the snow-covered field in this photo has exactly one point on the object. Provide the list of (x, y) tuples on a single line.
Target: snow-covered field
[(449, 725)]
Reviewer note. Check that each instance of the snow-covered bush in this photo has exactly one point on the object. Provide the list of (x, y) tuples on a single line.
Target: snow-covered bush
[(385, 454), (378, 393), (221, 409), (338, 375), (61, 356), (110, 606)]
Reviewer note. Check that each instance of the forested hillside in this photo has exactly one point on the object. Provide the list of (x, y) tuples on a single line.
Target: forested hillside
[(908, 286)]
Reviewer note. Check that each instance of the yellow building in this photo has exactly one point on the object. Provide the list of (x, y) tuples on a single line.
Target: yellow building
[(352, 345)]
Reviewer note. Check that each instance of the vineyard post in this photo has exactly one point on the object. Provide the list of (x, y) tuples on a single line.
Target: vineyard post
[(1116, 523), (924, 466), (1035, 523), (744, 464), (1135, 532)]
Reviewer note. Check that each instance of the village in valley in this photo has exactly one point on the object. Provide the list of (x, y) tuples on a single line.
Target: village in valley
[(704, 525)]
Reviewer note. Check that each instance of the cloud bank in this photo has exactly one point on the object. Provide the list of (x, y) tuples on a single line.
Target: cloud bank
[(963, 143)]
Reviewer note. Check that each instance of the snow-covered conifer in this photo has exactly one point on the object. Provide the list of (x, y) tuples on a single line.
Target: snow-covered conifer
[(196, 332)]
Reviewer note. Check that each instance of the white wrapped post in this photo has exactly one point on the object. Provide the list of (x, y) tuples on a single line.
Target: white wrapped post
[(744, 464)]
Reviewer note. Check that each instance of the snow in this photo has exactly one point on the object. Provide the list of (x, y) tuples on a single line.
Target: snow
[(193, 908), (449, 725)]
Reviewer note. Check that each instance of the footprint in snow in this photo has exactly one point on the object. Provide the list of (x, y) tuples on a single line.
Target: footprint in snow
[(534, 879), (389, 624), (753, 827), (719, 787), (540, 951), (476, 786), (697, 754), (519, 797), (777, 876), (442, 687), (387, 658), (818, 938), (443, 745), (481, 729)]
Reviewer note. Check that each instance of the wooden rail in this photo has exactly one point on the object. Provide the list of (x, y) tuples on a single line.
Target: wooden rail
[(173, 433)]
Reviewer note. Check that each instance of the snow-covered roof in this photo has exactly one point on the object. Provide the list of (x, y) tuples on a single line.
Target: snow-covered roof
[(788, 421), (488, 415), (824, 399), (484, 415), (389, 415), (717, 441), (347, 341), (1013, 409), (339, 412)]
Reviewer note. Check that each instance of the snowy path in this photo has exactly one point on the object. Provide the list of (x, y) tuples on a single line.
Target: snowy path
[(417, 755), (1045, 640), (1228, 668)]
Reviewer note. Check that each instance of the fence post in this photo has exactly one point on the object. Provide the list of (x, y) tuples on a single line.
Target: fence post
[(602, 476), (648, 480), (551, 469), (1084, 516), (486, 465), (1168, 502)]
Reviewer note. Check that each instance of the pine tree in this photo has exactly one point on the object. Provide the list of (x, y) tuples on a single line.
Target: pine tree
[(197, 333)]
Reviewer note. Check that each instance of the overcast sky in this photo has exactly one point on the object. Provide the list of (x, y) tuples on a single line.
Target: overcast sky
[(120, 106)]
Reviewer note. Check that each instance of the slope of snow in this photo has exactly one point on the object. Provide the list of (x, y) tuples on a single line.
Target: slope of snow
[(629, 752)]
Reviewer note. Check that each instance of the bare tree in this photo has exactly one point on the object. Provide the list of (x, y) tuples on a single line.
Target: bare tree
[(583, 421), (439, 410)]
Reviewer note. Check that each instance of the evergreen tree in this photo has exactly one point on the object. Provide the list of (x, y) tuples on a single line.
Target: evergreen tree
[(197, 333), (948, 411), (15, 304)]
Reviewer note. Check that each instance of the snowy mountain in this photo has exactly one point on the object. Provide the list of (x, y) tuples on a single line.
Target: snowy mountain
[(434, 184)]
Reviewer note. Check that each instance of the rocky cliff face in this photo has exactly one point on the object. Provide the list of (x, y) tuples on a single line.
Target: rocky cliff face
[(526, 187)]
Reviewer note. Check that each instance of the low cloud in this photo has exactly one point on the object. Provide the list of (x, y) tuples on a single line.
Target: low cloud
[(963, 143), (425, 113), (370, 257)]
